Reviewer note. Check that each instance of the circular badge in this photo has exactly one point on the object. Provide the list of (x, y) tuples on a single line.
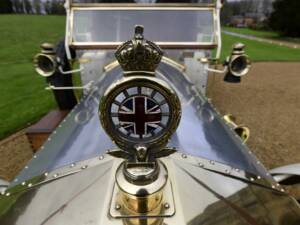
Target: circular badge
[(140, 110)]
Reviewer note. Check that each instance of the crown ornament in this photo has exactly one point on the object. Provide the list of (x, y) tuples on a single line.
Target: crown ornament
[(139, 55)]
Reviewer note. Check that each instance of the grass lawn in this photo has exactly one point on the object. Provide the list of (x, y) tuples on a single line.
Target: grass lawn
[(22, 96), (261, 34), (259, 51), (256, 33), (23, 99)]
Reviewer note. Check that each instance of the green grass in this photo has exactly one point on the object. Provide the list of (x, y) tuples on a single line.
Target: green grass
[(259, 51), (251, 32), (23, 99), (262, 34)]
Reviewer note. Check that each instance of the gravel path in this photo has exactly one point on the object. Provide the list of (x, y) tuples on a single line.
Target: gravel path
[(15, 151), (268, 102)]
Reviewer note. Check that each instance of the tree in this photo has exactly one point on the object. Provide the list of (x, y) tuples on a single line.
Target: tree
[(48, 7), (227, 12), (6, 6), (18, 6), (57, 7), (37, 6), (248, 6), (266, 7), (285, 17), (54, 7), (28, 6)]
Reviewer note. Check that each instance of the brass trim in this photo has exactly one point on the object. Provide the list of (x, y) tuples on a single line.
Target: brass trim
[(138, 54), (146, 7), (169, 61), (242, 131), (143, 5), (130, 201), (238, 53), (39, 70), (118, 210), (108, 67), (242, 71), (147, 81), (173, 63), (163, 45)]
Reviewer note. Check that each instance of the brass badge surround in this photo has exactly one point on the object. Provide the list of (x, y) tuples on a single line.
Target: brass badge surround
[(140, 81)]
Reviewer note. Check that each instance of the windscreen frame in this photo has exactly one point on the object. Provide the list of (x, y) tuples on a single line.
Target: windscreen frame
[(165, 45)]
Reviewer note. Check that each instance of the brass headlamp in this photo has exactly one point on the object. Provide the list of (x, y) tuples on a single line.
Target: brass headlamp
[(238, 63), (45, 62)]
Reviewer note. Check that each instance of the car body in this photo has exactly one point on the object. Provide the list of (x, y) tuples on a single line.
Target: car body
[(212, 176)]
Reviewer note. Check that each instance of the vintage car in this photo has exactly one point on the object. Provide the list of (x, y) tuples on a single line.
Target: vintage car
[(144, 145)]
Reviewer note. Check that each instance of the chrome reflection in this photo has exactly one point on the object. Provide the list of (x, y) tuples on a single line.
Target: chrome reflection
[(83, 116), (207, 115), (200, 197)]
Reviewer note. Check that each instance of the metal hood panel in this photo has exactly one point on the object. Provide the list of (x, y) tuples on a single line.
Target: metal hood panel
[(201, 131), (200, 197)]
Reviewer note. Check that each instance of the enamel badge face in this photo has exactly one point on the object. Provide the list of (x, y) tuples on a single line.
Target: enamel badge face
[(140, 112)]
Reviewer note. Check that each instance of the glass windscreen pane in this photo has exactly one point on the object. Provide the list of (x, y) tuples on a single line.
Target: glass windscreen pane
[(144, 1), (161, 25)]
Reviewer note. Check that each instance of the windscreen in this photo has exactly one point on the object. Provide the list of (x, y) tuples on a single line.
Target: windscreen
[(144, 1), (166, 25)]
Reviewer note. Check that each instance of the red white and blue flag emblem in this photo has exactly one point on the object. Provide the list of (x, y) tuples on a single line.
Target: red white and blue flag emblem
[(140, 112), (140, 115)]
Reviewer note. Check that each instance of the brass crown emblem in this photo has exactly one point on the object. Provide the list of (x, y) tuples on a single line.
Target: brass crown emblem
[(139, 54)]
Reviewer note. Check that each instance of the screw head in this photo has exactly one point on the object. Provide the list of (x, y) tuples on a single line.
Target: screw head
[(166, 205), (84, 167), (117, 207)]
